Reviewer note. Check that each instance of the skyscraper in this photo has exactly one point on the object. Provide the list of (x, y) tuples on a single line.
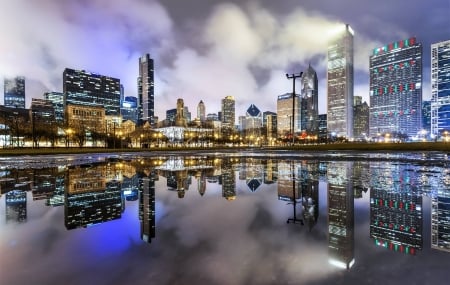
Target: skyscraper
[(57, 99), (201, 112), (309, 102), (440, 88), (284, 116), (228, 112), (81, 87), (340, 84), (146, 92), (14, 91), (396, 89)]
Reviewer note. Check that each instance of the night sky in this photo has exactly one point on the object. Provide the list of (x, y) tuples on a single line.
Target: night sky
[(206, 49)]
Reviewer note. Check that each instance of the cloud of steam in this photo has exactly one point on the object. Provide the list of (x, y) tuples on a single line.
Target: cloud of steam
[(238, 51)]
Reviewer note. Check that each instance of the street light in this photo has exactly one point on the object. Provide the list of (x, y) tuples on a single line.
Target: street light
[(293, 76)]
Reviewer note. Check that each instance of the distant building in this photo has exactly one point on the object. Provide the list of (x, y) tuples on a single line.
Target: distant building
[(129, 110), (340, 84), (253, 121), (57, 99), (309, 101), (426, 116), (146, 92), (14, 92), (323, 132), (361, 119), (90, 89), (201, 111), (270, 125), (228, 115), (440, 88), (212, 117), (43, 118), (284, 116), (180, 117), (396, 89), (170, 117)]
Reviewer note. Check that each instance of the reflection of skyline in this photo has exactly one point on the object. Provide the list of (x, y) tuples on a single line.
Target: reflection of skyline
[(395, 209), (89, 198), (147, 207), (440, 220)]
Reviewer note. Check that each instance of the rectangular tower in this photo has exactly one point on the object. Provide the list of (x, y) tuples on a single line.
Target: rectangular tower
[(284, 116), (340, 84), (81, 87), (14, 92), (146, 94), (440, 88), (396, 89)]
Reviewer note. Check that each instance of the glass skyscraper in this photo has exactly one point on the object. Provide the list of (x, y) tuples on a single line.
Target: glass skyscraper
[(440, 88), (89, 89), (14, 91), (146, 94), (309, 102), (396, 89), (340, 84)]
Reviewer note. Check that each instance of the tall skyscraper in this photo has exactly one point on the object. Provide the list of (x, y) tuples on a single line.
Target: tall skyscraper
[(440, 88), (90, 89), (14, 91), (228, 113), (201, 111), (340, 84), (309, 102), (146, 92), (396, 89)]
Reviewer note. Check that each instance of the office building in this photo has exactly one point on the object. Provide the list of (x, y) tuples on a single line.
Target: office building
[(228, 115), (14, 92), (253, 121), (426, 117), (129, 110), (270, 126), (340, 84), (146, 92), (285, 129), (440, 88), (90, 89), (309, 102), (361, 119), (57, 99), (201, 111), (396, 89)]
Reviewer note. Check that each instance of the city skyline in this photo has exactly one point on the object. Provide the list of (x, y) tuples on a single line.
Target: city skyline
[(196, 56)]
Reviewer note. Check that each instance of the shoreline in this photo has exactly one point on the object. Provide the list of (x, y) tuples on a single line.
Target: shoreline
[(366, 147)]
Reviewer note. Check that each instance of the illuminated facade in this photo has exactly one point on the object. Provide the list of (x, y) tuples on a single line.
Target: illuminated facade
[(284, 116), (16, 206), (340, 84), (228, 112), (146, 90), (201, 111), (440, 88), (89, 89), (14, 92), (57, 99), (81, 118), (396, 89), (147, 207)]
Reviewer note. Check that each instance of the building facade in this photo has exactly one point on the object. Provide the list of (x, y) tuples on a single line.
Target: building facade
[(396, 89), (57, 99), (285, 129), (340, 84), (146, 90), (440, 88), (129, 109), (14, 92), (228, 114), (201, 111), (90, 89), (361, 120)]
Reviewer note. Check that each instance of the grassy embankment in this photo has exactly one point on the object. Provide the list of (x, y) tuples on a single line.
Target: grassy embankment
[(405, 147)]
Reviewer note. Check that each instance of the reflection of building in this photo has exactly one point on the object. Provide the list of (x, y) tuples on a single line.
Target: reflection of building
[(340, 215), (16, 206), (309, 189), (396, 88), (252, 172), (340, 84), (395, 210), (228, 180), (147, 207), (89, 198), (440, 220)]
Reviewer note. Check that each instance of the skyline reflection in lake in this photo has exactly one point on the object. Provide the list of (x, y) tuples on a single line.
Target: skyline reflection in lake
[(226, 219)]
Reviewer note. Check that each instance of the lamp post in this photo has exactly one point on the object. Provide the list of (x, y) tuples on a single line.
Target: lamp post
[(293, 76)]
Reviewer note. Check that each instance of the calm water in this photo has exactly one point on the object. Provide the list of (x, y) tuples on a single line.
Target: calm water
[(223, 218)]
